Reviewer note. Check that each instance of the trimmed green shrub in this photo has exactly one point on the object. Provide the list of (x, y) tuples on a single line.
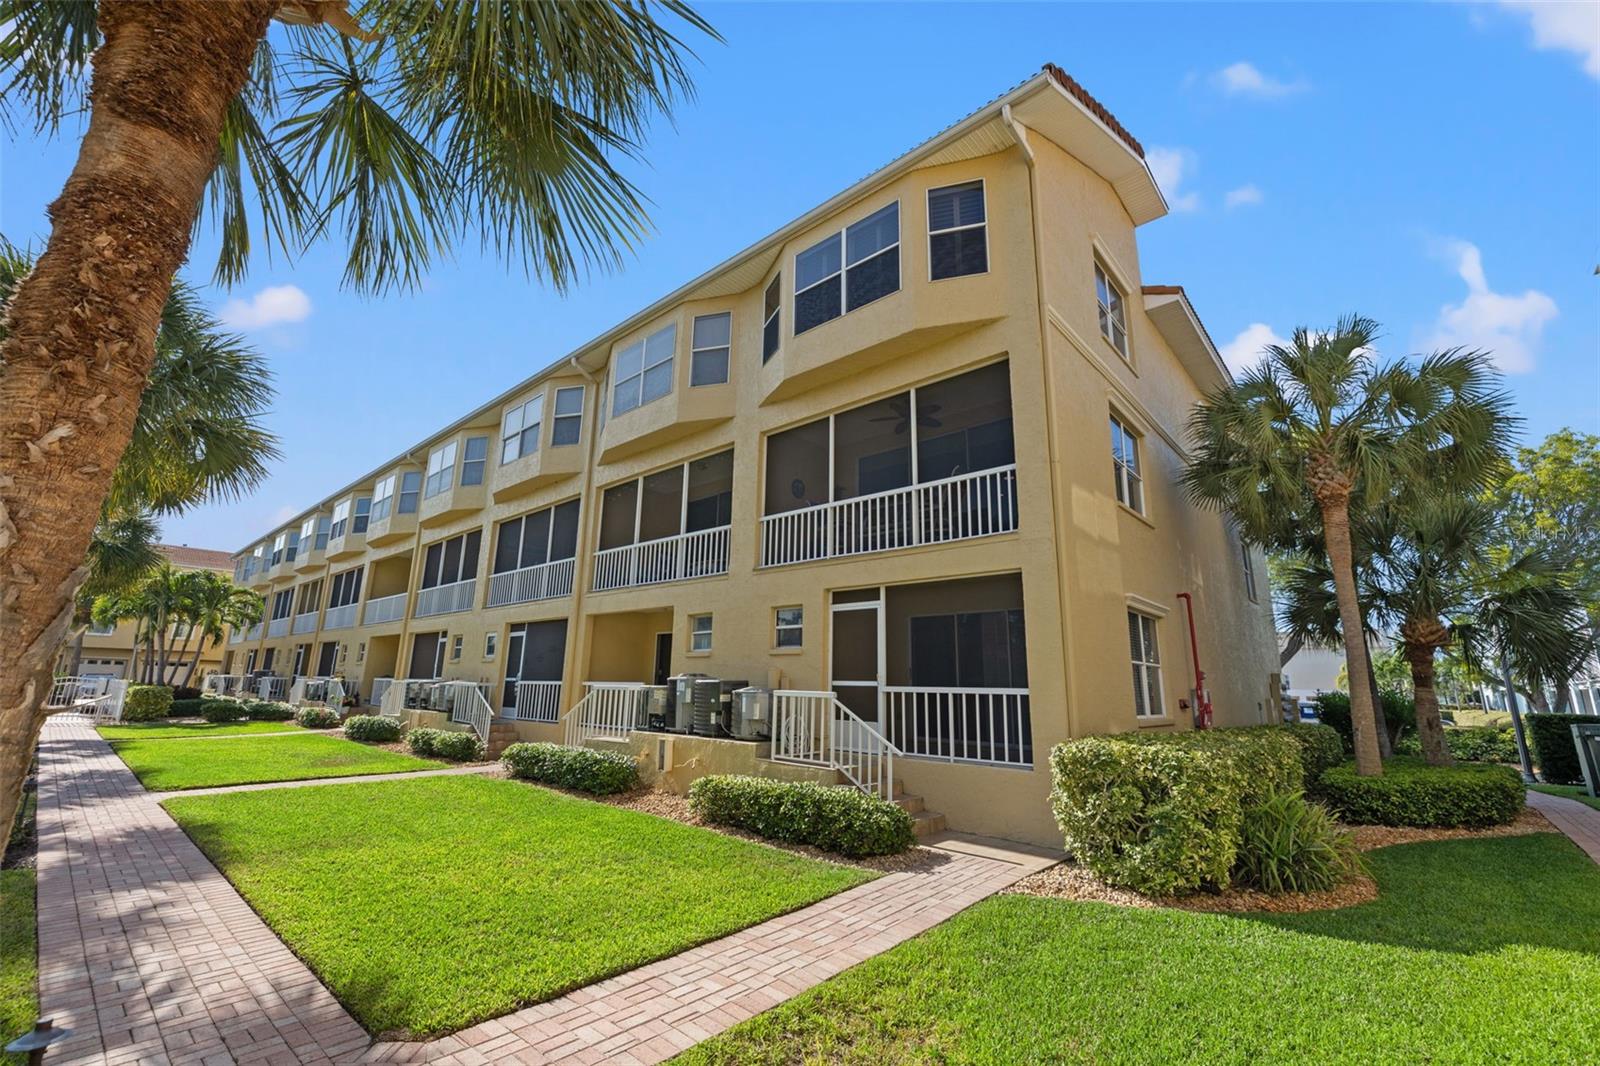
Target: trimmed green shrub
[(600, 772), (373, 728), (1399, 715), (1260, 759), (146, 703), (1157, 818), (1470, 744), (833, 818), (268, 711), (223, 711), (444, 744), (420, 741), (1333, 710), (185, 708), (1287, 844), (1412, 793), (317, 718), (1550, 737), (186, 692), (1321, 748)]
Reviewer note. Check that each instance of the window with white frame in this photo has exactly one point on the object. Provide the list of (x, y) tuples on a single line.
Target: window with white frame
[(1249, 569), (643, 370), (491, 643), (314, 531), (789, 627), (1146, 658), (958, 240), (475, 454), (1125, 465), (345, 588), (410, 490), (441, 470), (361, 651), (519, 429), (850, 269), (456, 645), (341, 519), (700, 632), (567, 425), (708, 350), (362, 515), (383, 498), (278, 546), (1113, 312), (771, 333)]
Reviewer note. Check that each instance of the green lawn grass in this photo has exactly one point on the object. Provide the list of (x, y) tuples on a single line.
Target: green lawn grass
[(1568, 791), (428, 905), (19, 964), (161, 765), (170, 730), (1481, 950)]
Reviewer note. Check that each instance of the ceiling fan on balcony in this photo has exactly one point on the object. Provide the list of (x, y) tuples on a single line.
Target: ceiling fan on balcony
[(902, 415)]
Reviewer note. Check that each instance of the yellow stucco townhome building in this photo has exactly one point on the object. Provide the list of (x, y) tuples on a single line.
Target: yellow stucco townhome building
[(919, 451)]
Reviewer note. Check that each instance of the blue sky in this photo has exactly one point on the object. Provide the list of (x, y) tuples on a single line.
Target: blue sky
[(1436, 167)]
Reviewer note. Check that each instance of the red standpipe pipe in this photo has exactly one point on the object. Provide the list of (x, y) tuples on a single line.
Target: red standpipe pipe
[(1202, 711)]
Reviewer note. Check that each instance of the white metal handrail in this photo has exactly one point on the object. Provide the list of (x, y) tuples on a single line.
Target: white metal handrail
[(536, 701), (979, 504), (446, 599), (543, 582), (390, 695), (339, 617), (987, 725), (703, 553), (815, 729), (67, 691), (108, 707), (384, 609), (323, 691), (466, 705), (609, 710), (224, 684), (278, 627), (305, 622), (273, 688)]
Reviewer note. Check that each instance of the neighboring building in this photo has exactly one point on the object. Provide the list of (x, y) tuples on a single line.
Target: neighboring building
[(110, 652), (921, 447)]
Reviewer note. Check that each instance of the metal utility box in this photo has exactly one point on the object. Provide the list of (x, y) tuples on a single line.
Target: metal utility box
[(752, 713)]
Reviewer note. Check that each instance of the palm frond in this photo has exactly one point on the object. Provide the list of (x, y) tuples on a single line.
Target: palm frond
[(45, 51)]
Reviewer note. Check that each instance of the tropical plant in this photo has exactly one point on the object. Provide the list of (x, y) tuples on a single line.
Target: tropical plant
[(166, 601), (1320, 425), (1551, 501), (213, 606), (401, 128)]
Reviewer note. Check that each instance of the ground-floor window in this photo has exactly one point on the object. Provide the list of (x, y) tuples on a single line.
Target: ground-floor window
[(1146, 657), (700, 632), (789, 627)]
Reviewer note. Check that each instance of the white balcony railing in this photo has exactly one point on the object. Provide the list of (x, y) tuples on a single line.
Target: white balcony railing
[(384, 609), (305, 623), (236, 636), (466, 703), (609, 710), (323, 691), (933, 512), (225, 684), (339, 617), (543, 582), (278, 627), (273, 688), (815, 729), (702, 553), (254, 632), (987, 725), (537, 701), (446, 599)]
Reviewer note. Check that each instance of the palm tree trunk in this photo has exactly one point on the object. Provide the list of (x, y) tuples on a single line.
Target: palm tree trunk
[(77, 653), (1341, 558), (1516, 723), (1291, 649), (1430, 729), (83, 324), (199, 651), (1380, 724)]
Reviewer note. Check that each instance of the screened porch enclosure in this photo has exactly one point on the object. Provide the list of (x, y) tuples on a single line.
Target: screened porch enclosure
[(932, 464), (667, 526), (535, 655)]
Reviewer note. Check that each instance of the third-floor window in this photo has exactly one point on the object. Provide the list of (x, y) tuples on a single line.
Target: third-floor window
[(847, 270), (708, 354), (957, 237), (519, 429), (441, 470), (568, 425), (314, 532), (643, 370)]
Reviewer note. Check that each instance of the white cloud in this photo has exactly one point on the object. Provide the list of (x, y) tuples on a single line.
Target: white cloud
[(1245, 79), (1565, 27), (1168, 166), (1506, 326), (1244, 351), (1243, 196), (272, 306)]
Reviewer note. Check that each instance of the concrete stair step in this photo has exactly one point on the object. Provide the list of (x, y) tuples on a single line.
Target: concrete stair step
[(927, 823), (909, 804)]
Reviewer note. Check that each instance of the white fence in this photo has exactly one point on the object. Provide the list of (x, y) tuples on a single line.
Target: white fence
[(815, 729), (537, 701), (339, 617), (273, 688), (323, 691), (466, 704), (224, 684), (384, 609), (952, 508), (278, 627), (678, 558), (987, 725), (543, 582), (306, 622), (99, 697), (446, 599), (609, 710)]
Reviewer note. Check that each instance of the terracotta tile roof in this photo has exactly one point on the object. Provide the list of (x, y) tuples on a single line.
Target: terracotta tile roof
[(187, 558), (1096, 108)]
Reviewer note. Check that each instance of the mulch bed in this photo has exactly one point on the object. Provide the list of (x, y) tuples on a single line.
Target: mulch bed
[(1066, 881)]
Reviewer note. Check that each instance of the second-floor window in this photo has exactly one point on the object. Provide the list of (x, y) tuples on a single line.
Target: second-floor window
[(958, 242), (567, 427), (771, 331), (1125, 466), (449, 561), (708, 355), (643, 371), (308, 596), (441, 470), (1113, 313), (686, 498), (544, 536), (848, 270), (519, 429), (345, 588), (282, 604)]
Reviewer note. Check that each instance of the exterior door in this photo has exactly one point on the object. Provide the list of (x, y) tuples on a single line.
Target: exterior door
[(427, 656), (327, 658), (663, 668), (535, 651), (856, 657)]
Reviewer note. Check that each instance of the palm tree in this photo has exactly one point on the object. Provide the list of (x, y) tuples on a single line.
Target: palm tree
[(216, 604), (403, 133), (1321, 417)]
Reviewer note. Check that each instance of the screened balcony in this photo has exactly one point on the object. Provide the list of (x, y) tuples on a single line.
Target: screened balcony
[(534, 556), (934, 464), (668, 526)]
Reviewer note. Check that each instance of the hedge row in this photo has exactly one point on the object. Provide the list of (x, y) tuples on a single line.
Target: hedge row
[(1550, 736), (444, 744), (1485, 743), (317, 718), (584, 769), (146, 703), (372, 728), (832, 818), (1412, 793)]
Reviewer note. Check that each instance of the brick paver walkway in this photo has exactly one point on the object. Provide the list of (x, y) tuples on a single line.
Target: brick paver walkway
[(149, 954), (1579, 821)]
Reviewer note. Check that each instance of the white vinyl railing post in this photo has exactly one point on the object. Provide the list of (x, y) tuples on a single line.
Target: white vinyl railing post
[(815, 729)]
